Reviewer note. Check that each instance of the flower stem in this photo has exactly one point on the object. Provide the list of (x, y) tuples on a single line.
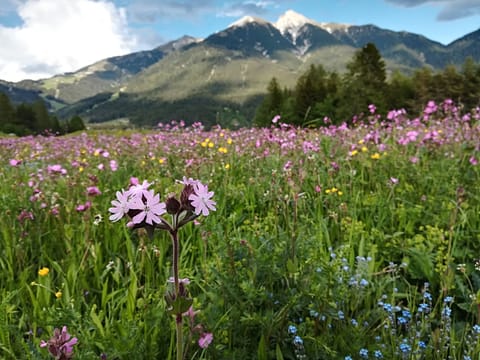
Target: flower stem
[(178, 317)]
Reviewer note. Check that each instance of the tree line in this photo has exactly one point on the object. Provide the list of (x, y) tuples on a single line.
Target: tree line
[(33, 119), (319, 94)]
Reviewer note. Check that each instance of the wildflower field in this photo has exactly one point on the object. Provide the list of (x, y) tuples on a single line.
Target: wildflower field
[(357, 241)]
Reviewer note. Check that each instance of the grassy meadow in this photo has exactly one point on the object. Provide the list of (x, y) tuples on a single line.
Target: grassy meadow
[(344, 242)]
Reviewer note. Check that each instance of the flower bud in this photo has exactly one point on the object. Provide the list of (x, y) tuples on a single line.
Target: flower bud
[(184, 197), (172, 205)]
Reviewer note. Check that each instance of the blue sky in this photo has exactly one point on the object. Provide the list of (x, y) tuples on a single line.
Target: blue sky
[(41, 38)]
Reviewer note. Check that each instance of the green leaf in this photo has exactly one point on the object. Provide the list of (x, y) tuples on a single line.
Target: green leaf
[(278, 353), (262, 349)]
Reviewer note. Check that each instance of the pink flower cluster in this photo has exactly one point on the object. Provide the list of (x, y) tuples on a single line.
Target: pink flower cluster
[(143, 205), (60, 346)]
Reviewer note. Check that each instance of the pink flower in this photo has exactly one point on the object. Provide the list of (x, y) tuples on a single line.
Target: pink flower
[(139, 189), (14, 162), (60, 346), (113, 165), (473, 161), (205, 340), (201, 199), (93, 191), (24, 215), (275, 119), (56, 169), (133, 181), (150, 207), (120, 206), (84, 207)]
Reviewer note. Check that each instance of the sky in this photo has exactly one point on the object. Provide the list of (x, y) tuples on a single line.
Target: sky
[(42, 38)]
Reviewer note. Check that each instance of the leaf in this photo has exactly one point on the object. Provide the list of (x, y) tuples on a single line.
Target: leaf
[(278, 353), (96, 320), (262, 349)]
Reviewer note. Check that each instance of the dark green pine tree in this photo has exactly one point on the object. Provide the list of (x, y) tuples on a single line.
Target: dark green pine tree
[(311, 89), (75, 124), (364, 83), (26, 118), (43, 121), (271, 105), (7, 114), (470, 97)]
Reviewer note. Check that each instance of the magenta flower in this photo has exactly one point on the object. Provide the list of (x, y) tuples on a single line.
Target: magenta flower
[(150, 207), (205, 340), (473, 160), (120, 206), (60, 346), (14, 162), (201, 199), (93, 191), (84, 207)]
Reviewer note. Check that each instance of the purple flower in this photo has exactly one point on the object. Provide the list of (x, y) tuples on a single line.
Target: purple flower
[(205, 340), (60, 346), (201, 199), (150, 207), (93, 191)]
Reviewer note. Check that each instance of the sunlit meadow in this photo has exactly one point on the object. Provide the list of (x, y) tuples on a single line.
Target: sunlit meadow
[(344, 242)]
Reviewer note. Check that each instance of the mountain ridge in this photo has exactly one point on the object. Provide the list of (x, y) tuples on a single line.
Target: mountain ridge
[(234, 66)]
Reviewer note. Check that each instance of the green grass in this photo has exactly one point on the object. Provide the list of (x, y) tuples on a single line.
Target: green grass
[(307, 233)]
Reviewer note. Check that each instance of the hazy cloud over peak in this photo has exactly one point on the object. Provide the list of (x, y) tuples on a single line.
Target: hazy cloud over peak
[(450, 9), (151, 11), (242, 8)]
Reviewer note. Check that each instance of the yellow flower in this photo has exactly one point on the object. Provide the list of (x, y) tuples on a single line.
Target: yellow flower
[(340, 193), (227, 166), (375, 156), (211, 144), (353, 152), (361, 141), (229, 141), (43, 271), (364, 149), (58, 294), (203, 144), (328, 191), (222, 149), (161, 161)]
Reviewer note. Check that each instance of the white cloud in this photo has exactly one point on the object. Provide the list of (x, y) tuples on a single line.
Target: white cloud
[(58, 36), (450, 9)]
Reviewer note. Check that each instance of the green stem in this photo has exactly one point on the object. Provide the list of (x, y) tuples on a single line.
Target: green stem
[(178, 317)]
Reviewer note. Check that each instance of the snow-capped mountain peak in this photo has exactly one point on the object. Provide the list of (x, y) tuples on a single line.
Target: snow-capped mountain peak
[(292, 21), (247, 20)]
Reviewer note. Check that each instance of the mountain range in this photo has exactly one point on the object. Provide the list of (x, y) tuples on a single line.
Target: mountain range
[(226, 74)]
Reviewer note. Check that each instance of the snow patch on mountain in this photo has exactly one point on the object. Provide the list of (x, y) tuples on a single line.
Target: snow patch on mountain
[(291, 23), (247, 20)]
